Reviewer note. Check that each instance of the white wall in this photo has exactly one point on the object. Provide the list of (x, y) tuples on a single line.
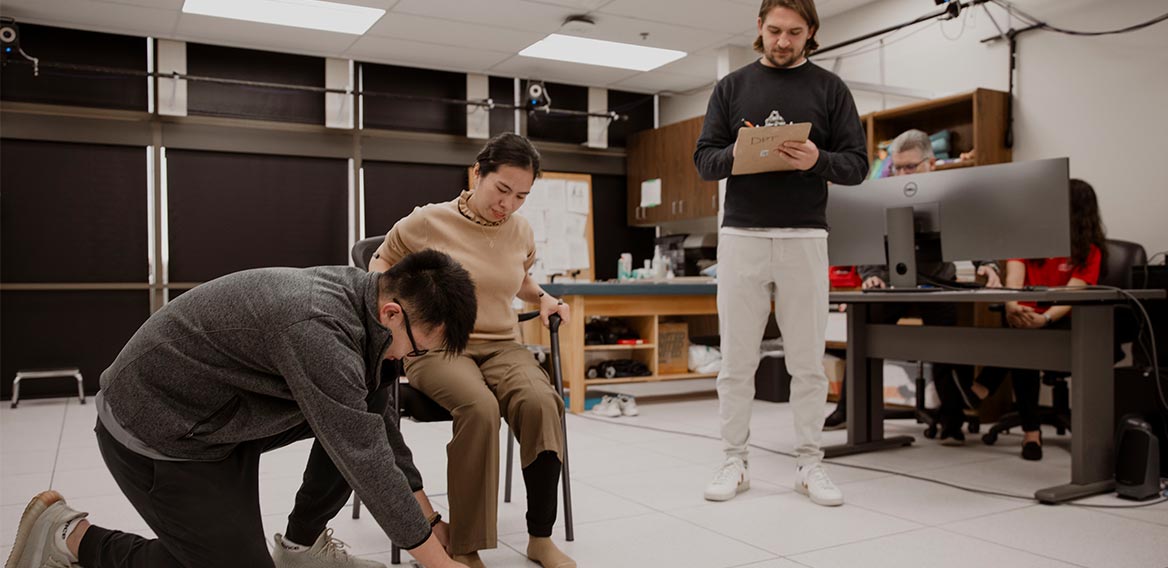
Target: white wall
[(1102, 102)]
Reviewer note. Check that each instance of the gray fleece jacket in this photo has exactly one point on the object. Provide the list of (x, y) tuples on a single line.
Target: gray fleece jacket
[(255, 353)]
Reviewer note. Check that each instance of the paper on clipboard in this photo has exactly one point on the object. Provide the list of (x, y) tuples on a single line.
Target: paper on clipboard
[(756, 148)]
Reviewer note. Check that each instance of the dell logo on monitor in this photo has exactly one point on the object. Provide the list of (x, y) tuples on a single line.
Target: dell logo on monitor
[(910, 189)]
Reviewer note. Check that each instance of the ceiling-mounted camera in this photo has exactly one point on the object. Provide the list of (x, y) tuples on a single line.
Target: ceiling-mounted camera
[(537, 96), (9, 38)]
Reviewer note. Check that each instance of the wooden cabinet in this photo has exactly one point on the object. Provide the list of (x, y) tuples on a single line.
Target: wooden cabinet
[(666, 153)]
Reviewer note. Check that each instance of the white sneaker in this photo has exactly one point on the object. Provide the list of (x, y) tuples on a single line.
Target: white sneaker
[(41, 533), (730, 480), (813, 482), (326, 552), (608, 407), (627, 405)]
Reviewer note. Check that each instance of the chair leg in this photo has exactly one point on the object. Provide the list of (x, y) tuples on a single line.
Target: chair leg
[(16, 391), (510, 464), (569, 527), (80, 388)]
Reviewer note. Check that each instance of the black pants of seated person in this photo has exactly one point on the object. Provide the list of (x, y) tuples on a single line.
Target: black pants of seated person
[(944, 374), (1026, 383), (541, 479), (208, 513)]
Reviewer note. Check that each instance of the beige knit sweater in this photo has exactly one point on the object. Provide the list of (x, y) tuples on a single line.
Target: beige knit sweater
[(497, 256)]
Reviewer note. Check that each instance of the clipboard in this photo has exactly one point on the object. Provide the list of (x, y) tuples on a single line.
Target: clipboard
[(756, 148)]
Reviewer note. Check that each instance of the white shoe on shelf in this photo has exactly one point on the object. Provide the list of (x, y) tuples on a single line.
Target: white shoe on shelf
[(627, 405), (608, 407)]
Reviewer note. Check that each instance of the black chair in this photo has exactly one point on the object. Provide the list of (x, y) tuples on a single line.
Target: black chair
[(1116, 272), (415, 405)]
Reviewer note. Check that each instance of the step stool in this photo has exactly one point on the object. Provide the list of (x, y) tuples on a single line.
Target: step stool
[(48, 374)]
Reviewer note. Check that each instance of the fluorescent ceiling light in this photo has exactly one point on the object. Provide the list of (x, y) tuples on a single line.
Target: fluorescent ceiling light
[(598, 52), (311, 14)]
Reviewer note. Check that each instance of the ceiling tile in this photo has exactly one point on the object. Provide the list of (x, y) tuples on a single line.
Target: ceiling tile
[(659, 81), (513, 14), (205, 29), (97, 16), (429, 56), (718, 15), (560, 72), (579, 6), (624, 29), (448, 32)]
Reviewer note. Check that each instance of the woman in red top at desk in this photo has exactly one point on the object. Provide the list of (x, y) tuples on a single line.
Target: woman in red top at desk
[(1080, 269)]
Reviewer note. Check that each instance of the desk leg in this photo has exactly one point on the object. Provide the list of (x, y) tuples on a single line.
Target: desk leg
[(865, 393), (1092, 404)]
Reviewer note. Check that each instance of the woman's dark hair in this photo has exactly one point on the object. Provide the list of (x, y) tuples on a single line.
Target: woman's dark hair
[(1086, 224), (436, 290), (508, 149)]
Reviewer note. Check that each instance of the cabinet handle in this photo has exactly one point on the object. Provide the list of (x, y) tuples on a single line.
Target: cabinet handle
[(714, 201), (681, 206)]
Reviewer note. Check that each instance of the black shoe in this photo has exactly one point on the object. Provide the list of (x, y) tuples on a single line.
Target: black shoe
[(1032, 451), (837, 420), (952, 437)]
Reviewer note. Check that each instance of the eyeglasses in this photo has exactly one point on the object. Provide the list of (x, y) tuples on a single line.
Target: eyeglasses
[(908, 168), (410, 334)]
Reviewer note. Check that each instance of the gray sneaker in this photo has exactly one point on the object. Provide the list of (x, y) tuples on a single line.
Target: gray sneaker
[(326, 552), (38, 542)]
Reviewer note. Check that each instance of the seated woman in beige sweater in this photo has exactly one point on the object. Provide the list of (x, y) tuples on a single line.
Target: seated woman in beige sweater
[(495, 377)]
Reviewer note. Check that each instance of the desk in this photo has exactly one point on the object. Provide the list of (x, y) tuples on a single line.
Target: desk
[(1085, 351)]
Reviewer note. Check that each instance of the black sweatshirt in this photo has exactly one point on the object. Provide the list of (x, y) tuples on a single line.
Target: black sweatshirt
[(807, 93)]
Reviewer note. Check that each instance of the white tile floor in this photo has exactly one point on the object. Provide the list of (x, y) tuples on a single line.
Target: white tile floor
[(637, 497)]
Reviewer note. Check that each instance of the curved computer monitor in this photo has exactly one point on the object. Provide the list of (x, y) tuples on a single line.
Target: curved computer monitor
[(1016, 210)]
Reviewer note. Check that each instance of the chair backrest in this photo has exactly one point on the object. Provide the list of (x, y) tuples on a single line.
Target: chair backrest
[(363, 251), (1121, 257)]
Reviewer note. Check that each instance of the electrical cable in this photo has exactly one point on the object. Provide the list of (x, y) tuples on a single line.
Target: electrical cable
[(1009, 6), (874, 469)]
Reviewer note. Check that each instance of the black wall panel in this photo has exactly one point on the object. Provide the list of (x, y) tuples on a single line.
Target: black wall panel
[(611, 234), (559, 128), (638, 107), (73, 212), (71, 87), (395, 113), (84, 329), (231, 212), (263, 103), (393, 190)]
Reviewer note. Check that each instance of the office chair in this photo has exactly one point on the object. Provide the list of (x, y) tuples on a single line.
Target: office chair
[(415, 405), (1116, 272)]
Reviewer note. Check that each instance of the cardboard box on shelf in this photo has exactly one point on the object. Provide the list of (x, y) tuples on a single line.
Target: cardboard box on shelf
[(672, 348)]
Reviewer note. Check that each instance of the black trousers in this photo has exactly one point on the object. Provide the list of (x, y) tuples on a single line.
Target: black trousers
[(207, 514), (1026, 383), (946, 377), (542, 479)]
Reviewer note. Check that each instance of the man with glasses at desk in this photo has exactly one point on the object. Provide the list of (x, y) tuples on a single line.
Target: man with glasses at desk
[(912, 153)]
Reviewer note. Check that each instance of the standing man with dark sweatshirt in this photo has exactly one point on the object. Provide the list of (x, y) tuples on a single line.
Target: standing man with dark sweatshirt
[(773, 241), (245, 364)]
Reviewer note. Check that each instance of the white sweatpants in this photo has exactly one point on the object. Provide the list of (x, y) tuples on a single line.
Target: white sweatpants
[(792, 271)]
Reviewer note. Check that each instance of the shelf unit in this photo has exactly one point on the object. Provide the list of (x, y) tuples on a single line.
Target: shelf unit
[(977, 120)]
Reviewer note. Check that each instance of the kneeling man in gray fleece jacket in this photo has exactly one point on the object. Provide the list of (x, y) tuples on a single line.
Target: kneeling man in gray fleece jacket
[(245, 364)]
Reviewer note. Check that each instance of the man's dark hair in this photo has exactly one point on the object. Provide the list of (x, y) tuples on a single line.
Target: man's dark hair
[(508, 149), (436, 290), (805, 8)]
